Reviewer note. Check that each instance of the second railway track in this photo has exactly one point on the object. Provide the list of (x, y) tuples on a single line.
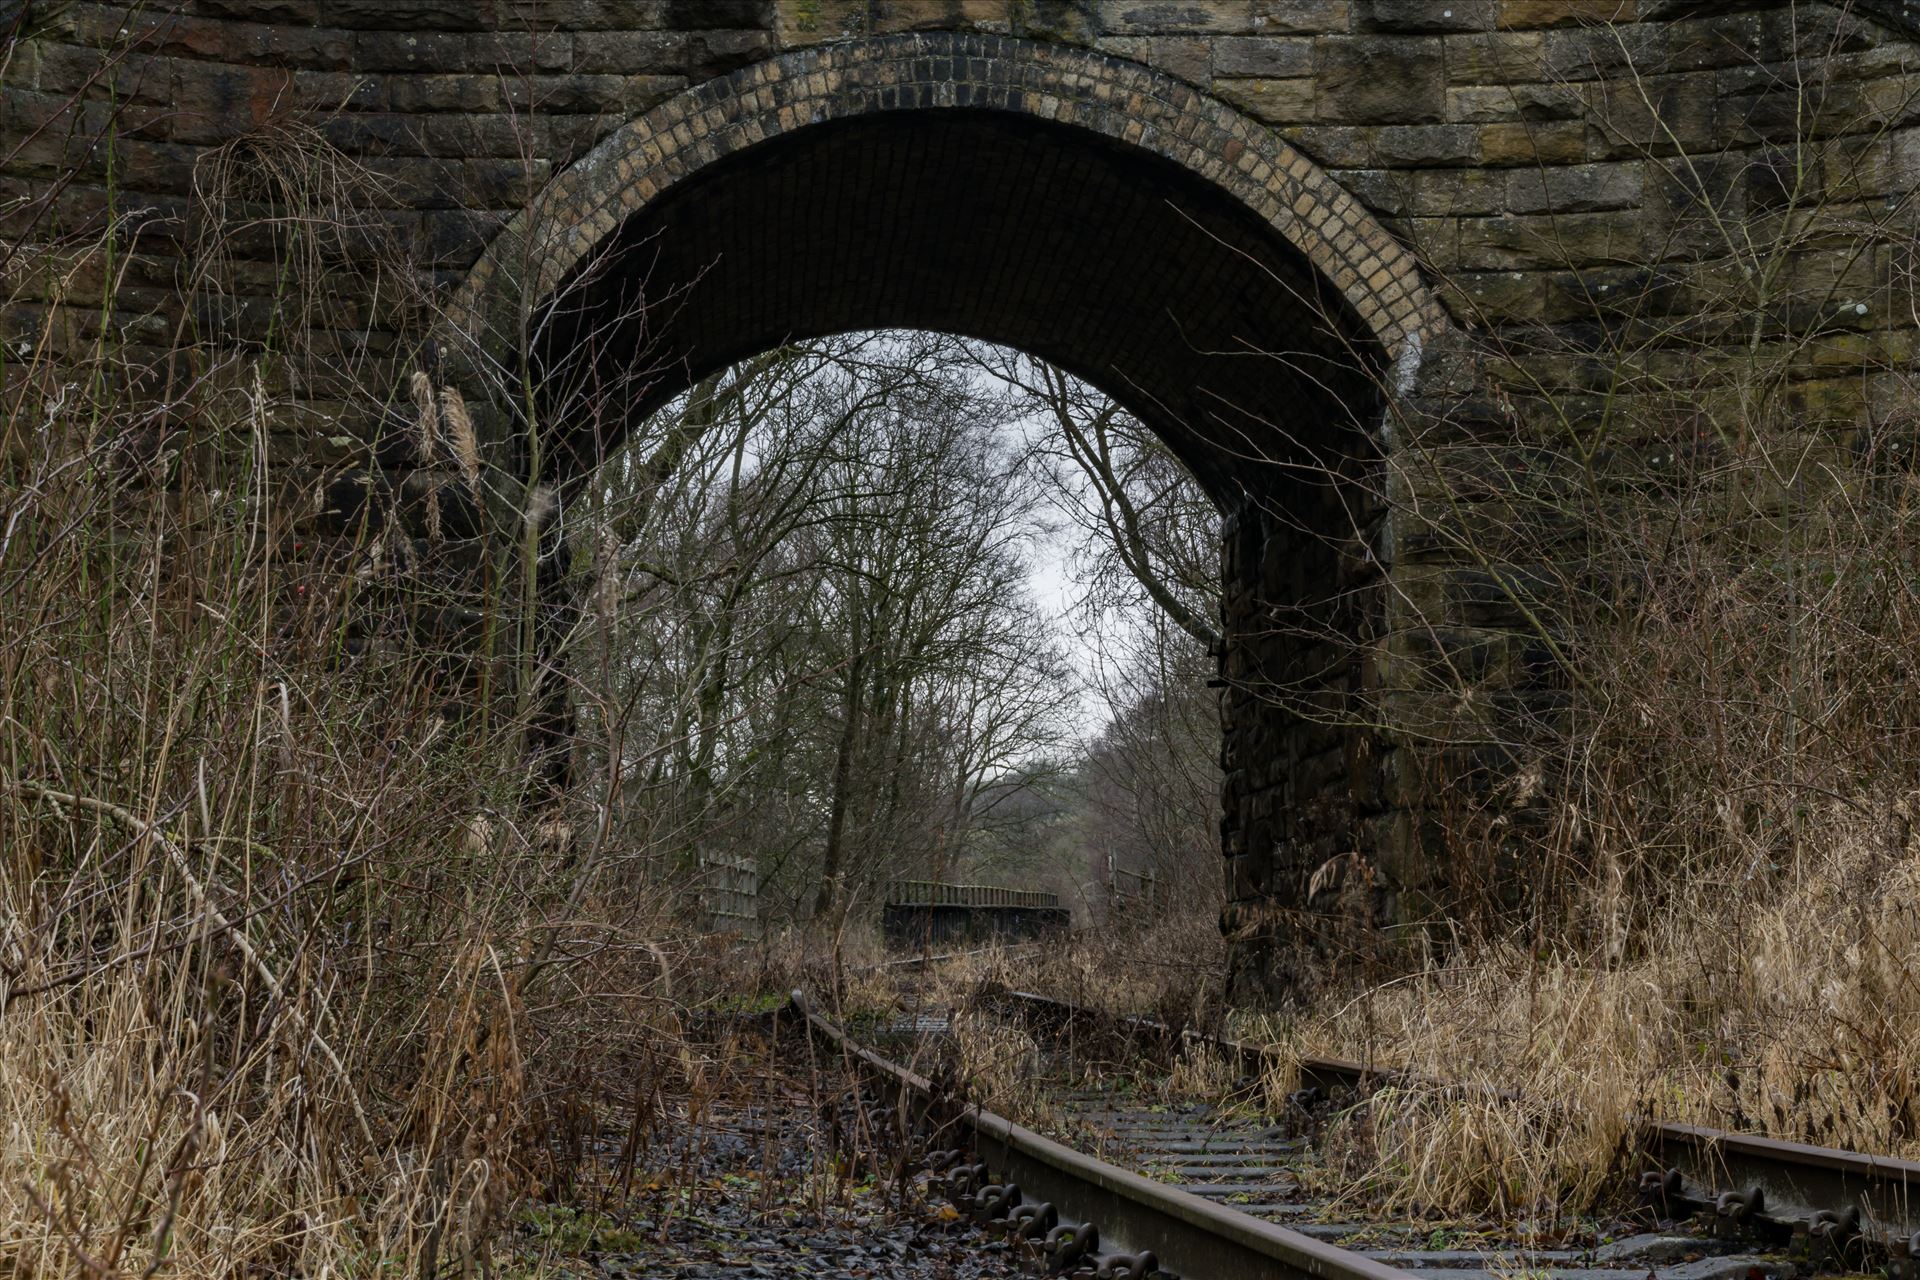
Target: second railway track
[(1820, 1208), (1130, 1185)]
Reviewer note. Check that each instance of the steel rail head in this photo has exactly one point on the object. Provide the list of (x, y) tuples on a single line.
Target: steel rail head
[(1796, 1182), (1169, 1227)]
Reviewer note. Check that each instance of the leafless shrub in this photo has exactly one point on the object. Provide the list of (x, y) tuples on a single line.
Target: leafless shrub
[(287, 979)]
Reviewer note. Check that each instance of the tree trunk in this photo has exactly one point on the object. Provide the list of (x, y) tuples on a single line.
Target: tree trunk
[(830, 869)]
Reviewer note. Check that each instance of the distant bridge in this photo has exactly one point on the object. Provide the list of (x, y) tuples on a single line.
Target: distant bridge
[(915, 912)]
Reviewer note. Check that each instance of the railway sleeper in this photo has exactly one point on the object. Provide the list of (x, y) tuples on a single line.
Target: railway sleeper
[(1818, 1225)]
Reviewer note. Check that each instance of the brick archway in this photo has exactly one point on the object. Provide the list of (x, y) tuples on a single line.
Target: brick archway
[(649, 157), (1231, 179), (1086, 209)]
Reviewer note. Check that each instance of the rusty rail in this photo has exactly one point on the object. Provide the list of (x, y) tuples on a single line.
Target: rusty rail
[(1186, 1234), (1833, 1198)]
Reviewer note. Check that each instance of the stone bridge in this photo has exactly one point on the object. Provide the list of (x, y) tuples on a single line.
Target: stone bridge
[(1292, 235)]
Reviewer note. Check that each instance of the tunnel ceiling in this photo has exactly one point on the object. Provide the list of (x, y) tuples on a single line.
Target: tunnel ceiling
[(1111, 262)]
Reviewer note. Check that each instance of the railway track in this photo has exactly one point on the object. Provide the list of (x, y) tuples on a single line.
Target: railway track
[(1826, 1207), (1129, 1186)]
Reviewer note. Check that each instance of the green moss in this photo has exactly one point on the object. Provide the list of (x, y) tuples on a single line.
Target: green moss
[(566, 1229)]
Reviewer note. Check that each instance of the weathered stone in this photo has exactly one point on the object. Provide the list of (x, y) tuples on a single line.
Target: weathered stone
[(1273, 101), (1558, 173), (1496, 104), (1187, 57), (1393, 146), (1427, 15), (1497, 297), (1163, 17), (1612, 296), (1500, 57), (423, 93), (1426, 145), (1533, 144), (483, 53), (304, 13), (1386, 191), (1564, 13), (426, 15), (1264, 57), (1552, 241), (1459, 191), (803, 22), (1652, 115), (1576, 188), (629, 53), (177, 35), (1380, 79), (714, 53), (1302, 17)]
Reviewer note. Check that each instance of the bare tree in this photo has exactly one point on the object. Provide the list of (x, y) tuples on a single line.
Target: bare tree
[(812, 637)]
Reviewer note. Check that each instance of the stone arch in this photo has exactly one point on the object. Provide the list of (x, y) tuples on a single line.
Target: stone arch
[(647, 157), (1083, 97), (1283, 298)]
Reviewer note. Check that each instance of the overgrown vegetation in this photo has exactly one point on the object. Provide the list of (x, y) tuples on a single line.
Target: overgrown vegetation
[(301, 970), (1692, 893), (287, 981)]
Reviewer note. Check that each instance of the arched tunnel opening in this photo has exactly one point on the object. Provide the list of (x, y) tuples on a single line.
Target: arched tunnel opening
[(1125, 269)]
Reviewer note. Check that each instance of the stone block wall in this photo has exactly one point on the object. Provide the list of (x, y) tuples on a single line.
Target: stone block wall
[(1512, 184)]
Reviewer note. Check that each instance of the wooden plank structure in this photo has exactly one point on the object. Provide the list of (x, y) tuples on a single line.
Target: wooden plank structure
[(918, 912), (730, 893)]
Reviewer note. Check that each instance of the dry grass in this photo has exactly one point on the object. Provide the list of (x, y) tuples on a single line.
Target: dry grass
[(1201, 1071), (1172, 969), (1776, 1005), (267, 1001), (1782, 1015), (1002, 1067), (291, 981)]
